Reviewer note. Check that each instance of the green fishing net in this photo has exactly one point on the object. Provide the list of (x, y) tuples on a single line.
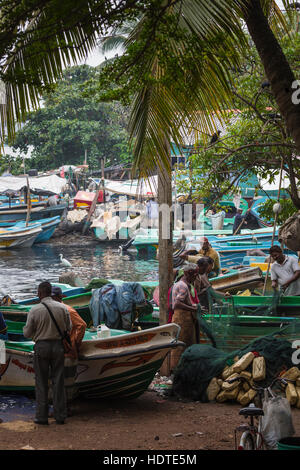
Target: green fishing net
[(201, 362), (230, 330)]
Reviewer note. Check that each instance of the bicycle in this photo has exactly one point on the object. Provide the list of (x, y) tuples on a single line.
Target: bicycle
[(252, 438)]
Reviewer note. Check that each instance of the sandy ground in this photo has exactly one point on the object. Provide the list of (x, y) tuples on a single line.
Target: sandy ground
[(147, 423)]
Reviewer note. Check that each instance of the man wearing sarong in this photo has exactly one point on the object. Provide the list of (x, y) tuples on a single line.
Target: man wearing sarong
[(185, 309)]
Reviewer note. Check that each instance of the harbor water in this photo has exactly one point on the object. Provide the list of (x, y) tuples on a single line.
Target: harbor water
[(23, 270)]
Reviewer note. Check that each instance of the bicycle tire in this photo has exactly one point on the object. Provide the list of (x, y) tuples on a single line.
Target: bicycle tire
[(247, 442)]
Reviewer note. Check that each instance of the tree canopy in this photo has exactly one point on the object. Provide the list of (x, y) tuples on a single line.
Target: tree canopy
[(70, 123), (255, 138)]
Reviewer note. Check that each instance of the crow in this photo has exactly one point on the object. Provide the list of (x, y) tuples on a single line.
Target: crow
[(215, 137)]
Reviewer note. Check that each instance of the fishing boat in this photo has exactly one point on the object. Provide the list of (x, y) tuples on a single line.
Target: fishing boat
[(79, 298), (238, 280), (9, 217), (19, 237), (122, 365), (147, 240), (67, 290), (287, 309), (47, 225), (18, 312), (227, 204), (232, 253), (232, 332), (255, 210)]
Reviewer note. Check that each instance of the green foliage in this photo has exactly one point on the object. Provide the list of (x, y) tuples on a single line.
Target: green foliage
[(266, 210), (71, 122), (10, 164), (255, 139)]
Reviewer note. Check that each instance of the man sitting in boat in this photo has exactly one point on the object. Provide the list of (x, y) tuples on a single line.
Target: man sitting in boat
[(184, 305), (206, 250), (76, 336), (285, 271)]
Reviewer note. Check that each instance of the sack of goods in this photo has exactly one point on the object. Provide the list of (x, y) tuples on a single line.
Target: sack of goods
[(289, 232)]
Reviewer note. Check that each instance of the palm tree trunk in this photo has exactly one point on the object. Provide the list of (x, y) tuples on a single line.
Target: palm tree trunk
[(276, 66)]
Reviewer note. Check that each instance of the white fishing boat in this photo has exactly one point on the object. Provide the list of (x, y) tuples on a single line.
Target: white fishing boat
[(122, 365), (19, 237)]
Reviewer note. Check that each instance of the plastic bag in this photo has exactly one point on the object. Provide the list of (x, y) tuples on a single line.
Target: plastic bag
[(277, 421)]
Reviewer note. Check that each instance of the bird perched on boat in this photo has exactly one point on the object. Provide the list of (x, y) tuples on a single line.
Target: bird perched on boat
[(64, 261)]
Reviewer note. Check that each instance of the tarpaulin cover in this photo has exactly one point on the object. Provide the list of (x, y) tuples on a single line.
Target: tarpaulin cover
[(43, 184)]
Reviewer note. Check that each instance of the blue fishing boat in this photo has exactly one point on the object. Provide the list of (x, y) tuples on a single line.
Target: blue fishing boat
[(67, 290), (47, 225), (9, 217), (255, 210)]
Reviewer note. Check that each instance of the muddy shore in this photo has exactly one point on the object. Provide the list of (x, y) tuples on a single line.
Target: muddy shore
[(147, 423)]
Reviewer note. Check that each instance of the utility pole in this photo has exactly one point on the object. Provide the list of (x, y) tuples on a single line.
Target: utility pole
[(165, 246), (165, 255)]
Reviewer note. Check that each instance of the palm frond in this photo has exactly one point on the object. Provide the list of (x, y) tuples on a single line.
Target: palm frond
[(167, 105)]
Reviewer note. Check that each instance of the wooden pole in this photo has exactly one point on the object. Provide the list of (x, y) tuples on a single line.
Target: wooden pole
[(102, 178), (274, 228), (92, 209)]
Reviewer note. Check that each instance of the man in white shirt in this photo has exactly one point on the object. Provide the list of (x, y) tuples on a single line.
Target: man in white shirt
[(285, 271)]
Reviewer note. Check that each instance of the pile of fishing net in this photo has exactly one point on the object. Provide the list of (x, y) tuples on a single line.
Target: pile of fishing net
[(202, 362)]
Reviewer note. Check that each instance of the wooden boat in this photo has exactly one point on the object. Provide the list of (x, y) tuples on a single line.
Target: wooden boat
[(233, 332), (232, 253), (288, 308), (66, 289), (227, 205), (122, 365), (19, 237), (9, 217), (19, 312), (79, 298), (47, 225), (248, 278), (148, 239)]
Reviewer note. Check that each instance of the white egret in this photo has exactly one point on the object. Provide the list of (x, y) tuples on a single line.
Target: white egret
[(64, 261)]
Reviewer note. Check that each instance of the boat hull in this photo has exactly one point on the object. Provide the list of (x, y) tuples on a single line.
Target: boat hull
[(19, 238), (120, 366)]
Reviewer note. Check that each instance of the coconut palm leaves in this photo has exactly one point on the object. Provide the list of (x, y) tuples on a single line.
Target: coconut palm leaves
[(185, 75), (39, 38)]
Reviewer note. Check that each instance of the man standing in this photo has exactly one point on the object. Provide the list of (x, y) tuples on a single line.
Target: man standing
[(285, 271), (239, 221), (185, 310), (76, 336), (48, 353)]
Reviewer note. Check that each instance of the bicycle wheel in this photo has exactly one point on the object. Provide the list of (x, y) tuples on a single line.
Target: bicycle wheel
[(246, 442)]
